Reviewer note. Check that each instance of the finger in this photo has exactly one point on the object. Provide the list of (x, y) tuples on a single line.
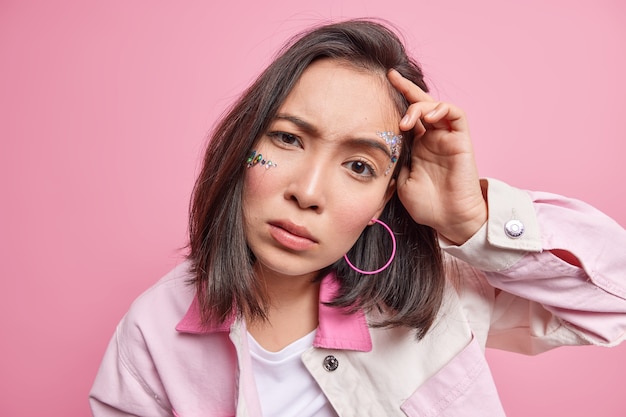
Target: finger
[(408, 89), (439, 115), (447, 116), (412, 121), (414, 117)]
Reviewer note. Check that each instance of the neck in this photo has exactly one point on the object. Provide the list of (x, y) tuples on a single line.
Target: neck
[(294, 307)]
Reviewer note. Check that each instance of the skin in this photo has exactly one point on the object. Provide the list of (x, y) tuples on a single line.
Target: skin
[(329, 183)]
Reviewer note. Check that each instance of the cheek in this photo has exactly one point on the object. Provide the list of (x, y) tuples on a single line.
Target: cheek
[(348, 226), (251, 183), (262, 188), (355, 214), (258, 178), (258, 183)]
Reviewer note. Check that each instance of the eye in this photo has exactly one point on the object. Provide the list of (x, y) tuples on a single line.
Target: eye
[(284, 138), (361, 168)]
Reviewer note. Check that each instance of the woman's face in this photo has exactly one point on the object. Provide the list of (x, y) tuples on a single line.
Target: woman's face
[(329, 178)]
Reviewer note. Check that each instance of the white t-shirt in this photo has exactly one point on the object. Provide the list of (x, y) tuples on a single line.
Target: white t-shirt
[(285, 387)]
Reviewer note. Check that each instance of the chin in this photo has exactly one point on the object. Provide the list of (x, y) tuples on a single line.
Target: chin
[(287, 269)]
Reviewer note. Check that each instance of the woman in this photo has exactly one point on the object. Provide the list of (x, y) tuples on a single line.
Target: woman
[(336, 141)]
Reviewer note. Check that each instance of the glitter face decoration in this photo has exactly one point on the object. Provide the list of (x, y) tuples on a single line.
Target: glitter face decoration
[(394, 141), (254, 159)]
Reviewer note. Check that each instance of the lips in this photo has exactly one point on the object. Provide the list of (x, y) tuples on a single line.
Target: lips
[(291, 236)]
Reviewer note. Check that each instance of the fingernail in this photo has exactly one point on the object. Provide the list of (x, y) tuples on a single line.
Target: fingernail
[(405, 120)]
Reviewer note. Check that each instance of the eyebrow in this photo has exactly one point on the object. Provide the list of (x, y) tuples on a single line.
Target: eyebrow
[(302, 124), (371, 143), (309, 128)]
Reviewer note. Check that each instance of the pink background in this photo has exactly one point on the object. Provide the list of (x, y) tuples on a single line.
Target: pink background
[(104, 109)]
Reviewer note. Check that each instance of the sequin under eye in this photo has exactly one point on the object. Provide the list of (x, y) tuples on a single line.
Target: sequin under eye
[(254, 159)]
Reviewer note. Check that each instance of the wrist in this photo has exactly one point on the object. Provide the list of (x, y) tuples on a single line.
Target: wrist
[(460, 235), (461, 232)]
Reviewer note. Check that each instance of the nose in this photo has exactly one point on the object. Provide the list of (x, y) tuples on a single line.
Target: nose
[(309, 185)]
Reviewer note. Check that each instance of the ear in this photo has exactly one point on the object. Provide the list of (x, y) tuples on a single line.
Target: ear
[(391, 189)]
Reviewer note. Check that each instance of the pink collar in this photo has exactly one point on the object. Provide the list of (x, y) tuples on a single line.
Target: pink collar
[(337, 328)]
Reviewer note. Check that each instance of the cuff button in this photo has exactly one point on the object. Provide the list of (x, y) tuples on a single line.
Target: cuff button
[(514, 229)]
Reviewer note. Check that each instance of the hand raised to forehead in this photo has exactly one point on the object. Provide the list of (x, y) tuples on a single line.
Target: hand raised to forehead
[(441, 188)]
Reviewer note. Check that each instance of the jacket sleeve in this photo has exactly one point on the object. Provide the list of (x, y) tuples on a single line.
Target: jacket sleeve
[(541, 300), (119, 389)]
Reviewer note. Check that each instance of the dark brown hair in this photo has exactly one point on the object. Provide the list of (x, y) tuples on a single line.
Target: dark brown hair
[(409, 291)]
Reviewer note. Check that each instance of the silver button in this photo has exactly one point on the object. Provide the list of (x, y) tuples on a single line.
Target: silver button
[(514, 229), (331, 363)]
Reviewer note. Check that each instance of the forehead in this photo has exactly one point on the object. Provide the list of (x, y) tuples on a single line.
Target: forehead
[(337, 96)]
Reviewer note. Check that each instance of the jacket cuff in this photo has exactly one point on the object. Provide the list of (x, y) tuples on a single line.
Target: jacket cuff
[(510, 232)]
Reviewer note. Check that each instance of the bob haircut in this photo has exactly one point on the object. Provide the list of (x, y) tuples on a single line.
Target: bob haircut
[(409, 292)]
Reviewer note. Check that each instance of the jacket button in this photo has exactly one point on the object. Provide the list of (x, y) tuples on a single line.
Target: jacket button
[(514, 229), (331, 363)]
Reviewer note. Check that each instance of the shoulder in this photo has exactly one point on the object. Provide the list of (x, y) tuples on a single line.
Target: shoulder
[(162, 306)]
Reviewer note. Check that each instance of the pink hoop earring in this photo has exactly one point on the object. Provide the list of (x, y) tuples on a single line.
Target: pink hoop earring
[(393, 253)]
